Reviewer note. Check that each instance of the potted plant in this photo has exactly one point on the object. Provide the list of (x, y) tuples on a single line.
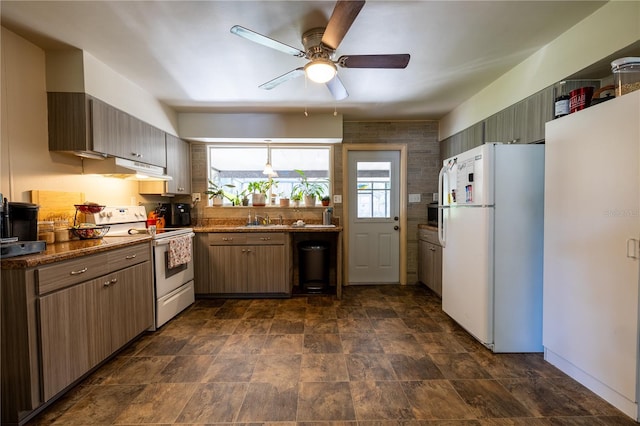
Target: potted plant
[(325, 200), (284, 200), (296, 197), (259, 191), (216, 193), (310, 190)]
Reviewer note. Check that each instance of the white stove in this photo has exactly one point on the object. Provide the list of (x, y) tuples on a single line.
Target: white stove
[(130, 220), (172, 257)]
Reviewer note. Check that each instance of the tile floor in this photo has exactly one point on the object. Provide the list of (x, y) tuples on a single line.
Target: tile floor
[(383, 355)]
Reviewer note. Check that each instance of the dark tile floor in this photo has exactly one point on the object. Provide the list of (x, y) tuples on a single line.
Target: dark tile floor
[(383, 355)]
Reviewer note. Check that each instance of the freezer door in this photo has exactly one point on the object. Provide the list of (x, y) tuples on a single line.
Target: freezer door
[(469, 178), (467, 275)]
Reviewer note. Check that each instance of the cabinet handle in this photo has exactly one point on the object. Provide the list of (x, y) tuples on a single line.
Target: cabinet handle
[(632, 246), (246, 250), (114, 280), (135, 154), (133, 256), (227, 239), (81, 271), (265, 238)]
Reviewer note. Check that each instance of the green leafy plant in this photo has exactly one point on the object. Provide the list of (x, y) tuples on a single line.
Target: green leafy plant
[(216, 190), (310, 188), (261, 186), (296, 195)]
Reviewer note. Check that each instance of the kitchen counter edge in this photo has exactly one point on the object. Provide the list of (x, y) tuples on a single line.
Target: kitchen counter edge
[(58, 252), (252, 229)]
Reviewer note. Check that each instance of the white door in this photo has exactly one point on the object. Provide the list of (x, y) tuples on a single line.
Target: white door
[(374, 237)]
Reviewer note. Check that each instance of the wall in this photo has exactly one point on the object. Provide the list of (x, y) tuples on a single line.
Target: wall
[(614, 26), (25, 161), (421, 138)]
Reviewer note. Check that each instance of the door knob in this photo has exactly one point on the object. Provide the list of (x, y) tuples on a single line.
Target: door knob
[(396, 228)]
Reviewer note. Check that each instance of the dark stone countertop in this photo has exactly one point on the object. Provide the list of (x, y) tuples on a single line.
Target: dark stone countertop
[(72, 249)]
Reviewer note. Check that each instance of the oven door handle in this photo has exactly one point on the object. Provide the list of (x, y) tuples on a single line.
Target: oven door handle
[(165, 241)]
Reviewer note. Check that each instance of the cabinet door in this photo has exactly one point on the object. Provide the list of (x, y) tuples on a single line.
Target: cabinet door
[(437, 270), (178, 165), (131, 303), (499, 127), (151, 144), (64, 333), (266, 272), (228, 269), (110, 129), (539, 111), (423, 260)]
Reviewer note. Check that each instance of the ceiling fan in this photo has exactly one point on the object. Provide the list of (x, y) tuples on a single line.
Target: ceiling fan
[(320, 45)]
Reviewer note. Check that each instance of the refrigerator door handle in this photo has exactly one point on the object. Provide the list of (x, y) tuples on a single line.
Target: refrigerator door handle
[(632, 248), (441, 232)]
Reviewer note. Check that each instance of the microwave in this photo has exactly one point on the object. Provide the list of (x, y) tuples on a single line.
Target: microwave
[(432, 214)]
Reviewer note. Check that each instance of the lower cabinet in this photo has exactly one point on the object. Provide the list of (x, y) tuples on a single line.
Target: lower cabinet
[(84, 324), (248, 263), (430, 260), (78, 313)]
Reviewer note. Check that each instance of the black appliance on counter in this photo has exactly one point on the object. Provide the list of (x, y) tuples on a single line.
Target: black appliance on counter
[(432, 214), (176, 215), (19, 229), (23, 219)]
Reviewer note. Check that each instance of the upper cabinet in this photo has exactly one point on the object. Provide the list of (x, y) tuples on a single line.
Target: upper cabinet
[(178, 165), (522, 122), (81, 123)]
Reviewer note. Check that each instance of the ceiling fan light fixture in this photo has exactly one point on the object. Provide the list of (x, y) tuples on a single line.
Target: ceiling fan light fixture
[(320, 70)]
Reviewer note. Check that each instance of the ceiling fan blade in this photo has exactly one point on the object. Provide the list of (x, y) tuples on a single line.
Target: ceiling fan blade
[(266, 41), (284, 77), (337, 89), (374, 61), (344, 13)]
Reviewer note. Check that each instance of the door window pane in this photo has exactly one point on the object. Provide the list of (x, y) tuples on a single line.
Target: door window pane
[(374, 189)]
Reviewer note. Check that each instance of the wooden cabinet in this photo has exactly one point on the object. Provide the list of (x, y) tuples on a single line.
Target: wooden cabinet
[(248, 264), (522, 122), (462, 141), (81, 123), (62, 319), (430, 260), (178, 167)]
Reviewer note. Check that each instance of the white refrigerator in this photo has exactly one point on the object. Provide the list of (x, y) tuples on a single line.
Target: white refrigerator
[(591, 327), (491, 229)]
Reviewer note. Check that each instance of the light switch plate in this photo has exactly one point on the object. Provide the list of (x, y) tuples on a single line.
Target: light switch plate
[(195, 197), (414, 198), (337, 199)]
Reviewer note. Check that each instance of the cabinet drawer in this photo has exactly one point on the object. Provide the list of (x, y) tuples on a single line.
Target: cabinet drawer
[(265, 238), (70, 272), (428, 235), (128, 256), (226, 238)]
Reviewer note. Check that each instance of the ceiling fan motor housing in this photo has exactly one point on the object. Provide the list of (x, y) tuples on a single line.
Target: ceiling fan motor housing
[(312, 42)]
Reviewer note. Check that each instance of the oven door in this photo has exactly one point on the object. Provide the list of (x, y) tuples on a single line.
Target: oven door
[(167, 280)]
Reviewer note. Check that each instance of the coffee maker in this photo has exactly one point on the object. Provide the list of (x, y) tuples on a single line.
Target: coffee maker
[(23, 220), (180, 215), (4, 219)]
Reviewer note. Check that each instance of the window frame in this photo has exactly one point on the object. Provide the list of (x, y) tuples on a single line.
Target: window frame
[(269, 146)]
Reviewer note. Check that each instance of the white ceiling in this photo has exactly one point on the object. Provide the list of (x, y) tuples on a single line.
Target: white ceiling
[(183, 53)]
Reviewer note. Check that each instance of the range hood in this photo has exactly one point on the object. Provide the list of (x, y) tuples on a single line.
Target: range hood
[(124, 169)]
